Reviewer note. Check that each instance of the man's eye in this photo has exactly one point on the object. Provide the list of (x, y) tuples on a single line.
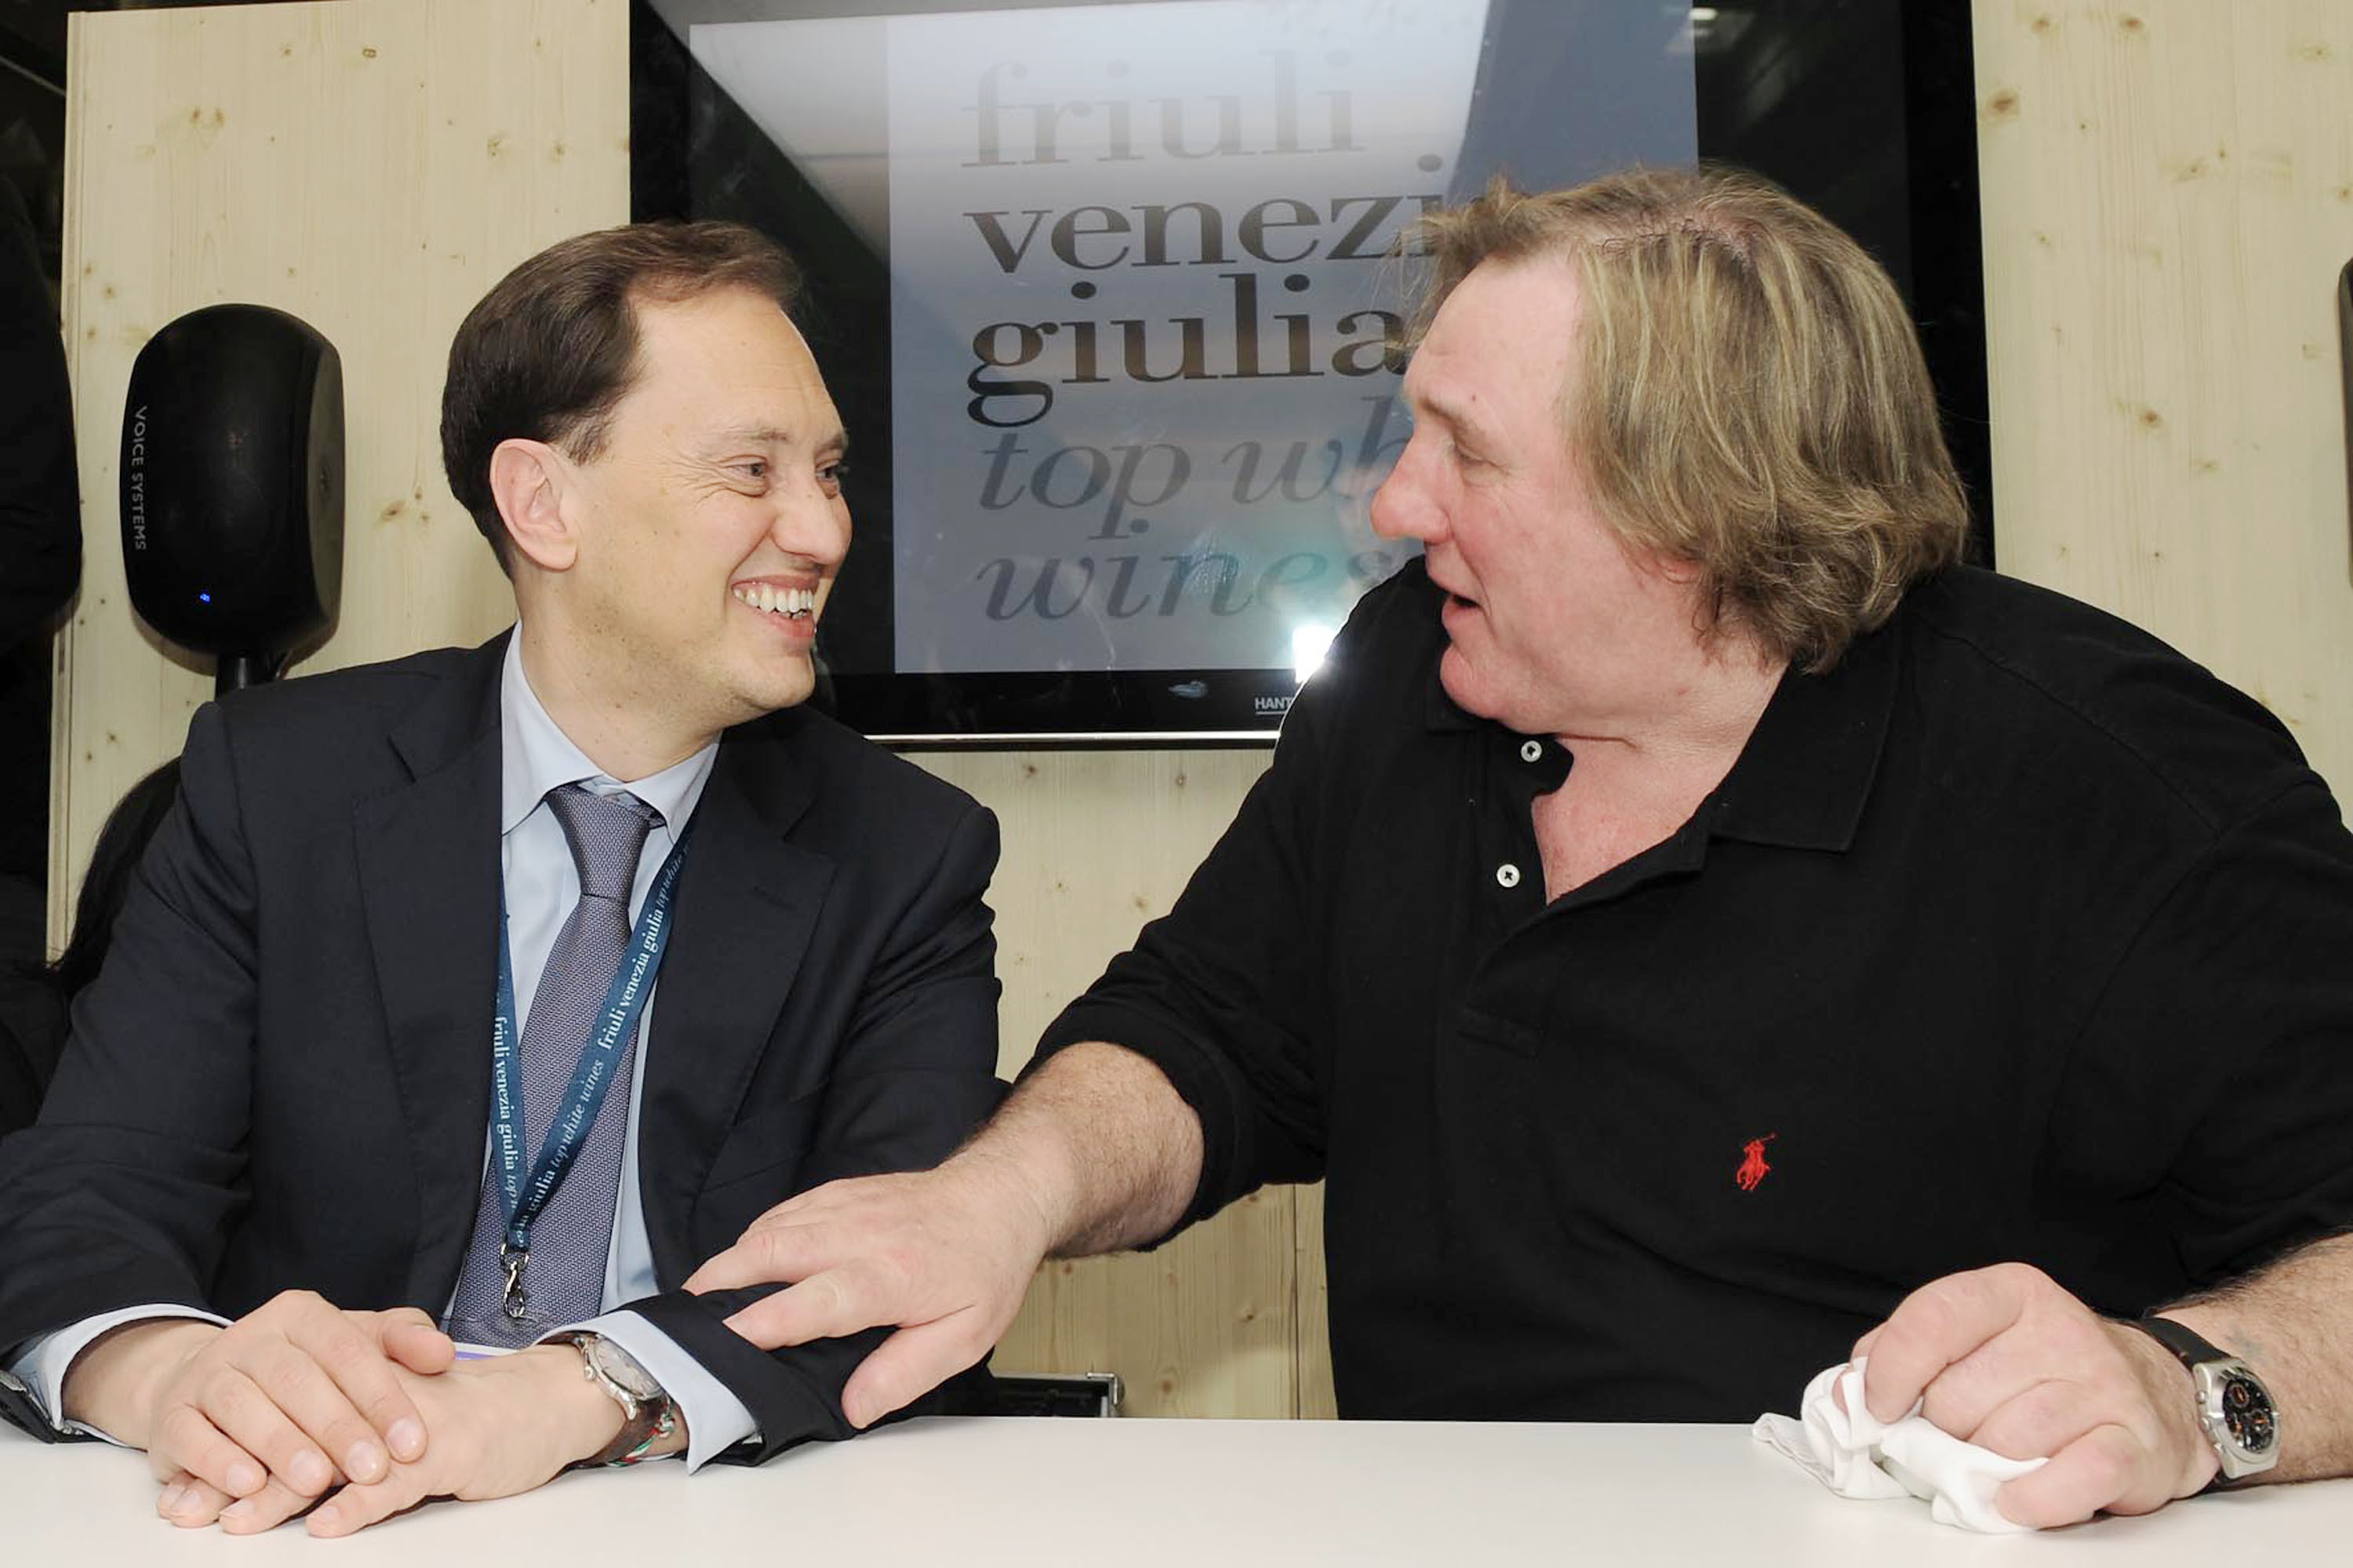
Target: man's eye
[(832, 474), (756, 468)]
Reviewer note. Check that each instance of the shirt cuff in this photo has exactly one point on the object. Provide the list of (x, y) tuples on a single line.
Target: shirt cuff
[(715, 1419), (42, 1363)]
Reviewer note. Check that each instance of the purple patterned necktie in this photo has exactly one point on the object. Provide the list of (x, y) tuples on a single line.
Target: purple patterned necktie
[(564, 1281)]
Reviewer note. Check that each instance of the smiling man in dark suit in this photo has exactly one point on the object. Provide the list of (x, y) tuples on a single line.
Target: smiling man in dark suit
[(601, 897)]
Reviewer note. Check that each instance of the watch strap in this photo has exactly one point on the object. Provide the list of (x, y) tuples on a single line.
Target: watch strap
[(2193, 1349), (654, 1420), (644, 1421), (2188, 1346)]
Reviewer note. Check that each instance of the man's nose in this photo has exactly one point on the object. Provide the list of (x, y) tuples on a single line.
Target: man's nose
[(1401, 507), (812, 523)]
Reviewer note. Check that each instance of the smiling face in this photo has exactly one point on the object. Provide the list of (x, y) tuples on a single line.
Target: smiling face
[(708, 525), (1553, 626)]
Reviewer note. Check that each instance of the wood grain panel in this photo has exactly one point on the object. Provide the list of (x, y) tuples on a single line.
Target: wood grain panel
[(1313, 1335), (371, 166), (2168, 196)]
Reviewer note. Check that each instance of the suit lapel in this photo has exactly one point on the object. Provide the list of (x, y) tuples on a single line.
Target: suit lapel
[(429, 862), (747, 903)]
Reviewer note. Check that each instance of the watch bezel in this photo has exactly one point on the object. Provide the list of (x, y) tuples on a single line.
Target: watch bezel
[(622, 1370), (2213, 1378), (647, 1412)]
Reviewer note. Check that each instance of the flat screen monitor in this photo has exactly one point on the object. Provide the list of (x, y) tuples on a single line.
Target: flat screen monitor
[(1110, 294)]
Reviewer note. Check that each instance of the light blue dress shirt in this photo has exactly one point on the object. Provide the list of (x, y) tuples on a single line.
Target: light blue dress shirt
[(542, 887)]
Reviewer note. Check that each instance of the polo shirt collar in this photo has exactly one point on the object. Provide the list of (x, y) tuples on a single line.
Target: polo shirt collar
[(1802, 780), (1805, 776)]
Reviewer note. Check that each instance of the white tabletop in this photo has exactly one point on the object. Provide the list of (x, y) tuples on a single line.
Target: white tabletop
[(1218, 1493)]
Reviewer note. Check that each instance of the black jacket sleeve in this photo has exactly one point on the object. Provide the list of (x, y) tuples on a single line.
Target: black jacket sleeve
[(126, 1188)]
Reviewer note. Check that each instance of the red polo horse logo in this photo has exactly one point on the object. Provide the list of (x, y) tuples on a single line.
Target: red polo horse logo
[(1752, 1162)]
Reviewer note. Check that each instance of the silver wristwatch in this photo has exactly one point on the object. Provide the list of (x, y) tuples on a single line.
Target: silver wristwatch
[(2235, 1410), (647, 1413)]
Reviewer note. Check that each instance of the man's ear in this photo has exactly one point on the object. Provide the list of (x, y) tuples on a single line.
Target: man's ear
[(528, 481), (1681, 570)]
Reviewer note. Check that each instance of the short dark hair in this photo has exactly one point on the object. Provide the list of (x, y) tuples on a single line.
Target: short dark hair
[(550, 351)]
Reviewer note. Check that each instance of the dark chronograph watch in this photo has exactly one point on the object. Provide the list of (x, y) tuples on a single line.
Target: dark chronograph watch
[(2236, 1410)]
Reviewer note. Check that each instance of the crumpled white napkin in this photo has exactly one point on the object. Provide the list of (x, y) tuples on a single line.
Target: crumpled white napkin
[(1852, 1452)]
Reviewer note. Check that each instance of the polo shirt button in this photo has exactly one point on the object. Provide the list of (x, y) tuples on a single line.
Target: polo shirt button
[(1532, 751), (1507, 876)]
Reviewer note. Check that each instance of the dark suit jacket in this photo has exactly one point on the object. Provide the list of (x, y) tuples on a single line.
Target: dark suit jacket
[(280, 1078), (29, 1056)]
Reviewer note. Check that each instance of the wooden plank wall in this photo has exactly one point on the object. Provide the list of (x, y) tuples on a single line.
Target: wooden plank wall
[(2168, 196), (374, 166)]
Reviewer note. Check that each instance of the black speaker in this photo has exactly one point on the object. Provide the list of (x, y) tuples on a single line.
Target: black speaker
[(233, 486)]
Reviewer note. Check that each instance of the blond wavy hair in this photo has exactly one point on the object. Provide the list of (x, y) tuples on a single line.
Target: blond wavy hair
[(1748, 394)]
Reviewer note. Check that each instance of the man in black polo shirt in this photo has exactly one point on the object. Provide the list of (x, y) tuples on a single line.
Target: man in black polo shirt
[(1694, 923)]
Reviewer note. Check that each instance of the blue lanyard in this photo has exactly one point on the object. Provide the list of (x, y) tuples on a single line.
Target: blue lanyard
[(521, 1201)]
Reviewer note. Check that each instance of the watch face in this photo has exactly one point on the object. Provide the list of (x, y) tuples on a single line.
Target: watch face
[(2248, 1415), (622, 1367)]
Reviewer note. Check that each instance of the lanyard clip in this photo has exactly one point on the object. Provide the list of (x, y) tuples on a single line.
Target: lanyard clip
[(514, 1258)]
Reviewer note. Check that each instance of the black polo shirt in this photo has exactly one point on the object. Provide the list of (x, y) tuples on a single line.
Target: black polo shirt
[(2016, 935)]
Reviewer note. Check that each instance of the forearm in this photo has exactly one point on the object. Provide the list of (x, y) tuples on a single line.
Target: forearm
[(581, 1417), (1105, 1146), (1094, 1152), (500, 1426), (2292, 1322)]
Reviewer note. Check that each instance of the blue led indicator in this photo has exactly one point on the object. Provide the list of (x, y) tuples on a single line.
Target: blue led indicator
[(204, 597)]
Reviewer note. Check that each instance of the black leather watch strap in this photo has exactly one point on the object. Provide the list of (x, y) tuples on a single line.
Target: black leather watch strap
[(2188, 1345), (2191, 1349)]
